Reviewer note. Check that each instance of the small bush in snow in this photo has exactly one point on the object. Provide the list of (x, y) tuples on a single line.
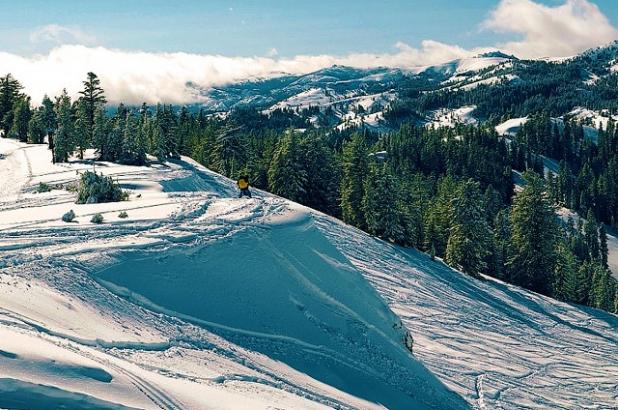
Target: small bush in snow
[(69, 216), (123, 215), (95, 188), (97, 219), (43, 187)]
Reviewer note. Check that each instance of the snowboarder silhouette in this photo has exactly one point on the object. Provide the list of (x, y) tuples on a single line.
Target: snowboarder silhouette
[(243, 185)]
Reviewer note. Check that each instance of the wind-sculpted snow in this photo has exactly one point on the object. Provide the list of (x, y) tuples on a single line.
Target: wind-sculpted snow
[(284, 290), (197, 300), (497, 345)]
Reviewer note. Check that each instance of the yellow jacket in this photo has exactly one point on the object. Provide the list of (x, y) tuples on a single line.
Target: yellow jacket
[(242, 184)]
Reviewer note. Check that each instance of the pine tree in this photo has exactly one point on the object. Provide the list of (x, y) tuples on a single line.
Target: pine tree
[(286, 175), (132, 153), (603, 249), (322, 186), (470, 235), (564, 280), (583, 283), (64, 143), (36, 128), (533, 236), (229, 151), (48, 119), (502, 240), (355, 168), (415, 197), (92, 99), (438, 217), (101, 136), (117, 134), (381, 206), (21, 118), (591, 236), (9, 93), (600, 289)]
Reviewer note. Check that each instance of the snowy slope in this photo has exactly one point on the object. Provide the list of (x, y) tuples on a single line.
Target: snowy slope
[(197, 300), (451, 117), (201, 300), (499, 346)]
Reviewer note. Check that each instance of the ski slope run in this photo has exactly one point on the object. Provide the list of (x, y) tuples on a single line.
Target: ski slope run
[(197, 300), (202, 300)]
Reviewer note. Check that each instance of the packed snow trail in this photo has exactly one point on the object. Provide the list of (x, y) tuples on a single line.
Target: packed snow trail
[(497, 345), (197, 300)]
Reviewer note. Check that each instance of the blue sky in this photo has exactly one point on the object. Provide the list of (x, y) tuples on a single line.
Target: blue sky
[(255, 27)]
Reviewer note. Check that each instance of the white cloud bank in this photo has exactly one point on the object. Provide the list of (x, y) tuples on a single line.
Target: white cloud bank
[(545, 31), (135, 77)]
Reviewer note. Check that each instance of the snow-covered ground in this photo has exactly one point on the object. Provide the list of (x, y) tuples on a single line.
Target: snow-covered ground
[(510, 127), (497, 345), (197, 300), (202, 300), (451, 117)]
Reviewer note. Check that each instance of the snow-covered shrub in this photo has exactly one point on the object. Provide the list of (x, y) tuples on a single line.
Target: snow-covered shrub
[(95, 188), (43, 187), (97, 219), (69, 216), (123, 215)]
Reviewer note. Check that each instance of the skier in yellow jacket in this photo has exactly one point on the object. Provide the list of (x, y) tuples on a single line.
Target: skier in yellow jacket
[(243, 185)]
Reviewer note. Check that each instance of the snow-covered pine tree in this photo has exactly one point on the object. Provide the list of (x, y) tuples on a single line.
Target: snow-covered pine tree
[(130, 153)]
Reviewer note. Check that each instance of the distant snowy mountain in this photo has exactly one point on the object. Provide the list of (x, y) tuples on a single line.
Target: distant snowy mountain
[(334, 83), (338, 91), (202, 300)]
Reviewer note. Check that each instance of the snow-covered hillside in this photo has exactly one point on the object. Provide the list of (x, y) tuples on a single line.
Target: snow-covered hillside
[(197, 300), (202, 300), (451, 117)]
